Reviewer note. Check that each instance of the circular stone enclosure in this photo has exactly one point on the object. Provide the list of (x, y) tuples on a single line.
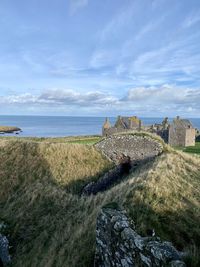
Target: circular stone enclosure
[(137, 148)]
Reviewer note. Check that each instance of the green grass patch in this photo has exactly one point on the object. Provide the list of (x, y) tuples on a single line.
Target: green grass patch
[(86, 140), (190, 149)]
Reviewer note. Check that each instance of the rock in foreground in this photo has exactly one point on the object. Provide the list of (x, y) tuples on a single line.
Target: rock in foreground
[(119, 245)]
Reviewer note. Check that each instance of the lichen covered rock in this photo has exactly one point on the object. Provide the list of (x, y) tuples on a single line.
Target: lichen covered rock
[(119, 245)]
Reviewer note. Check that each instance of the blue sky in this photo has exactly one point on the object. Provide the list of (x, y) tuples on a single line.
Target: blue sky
[(100, 58)]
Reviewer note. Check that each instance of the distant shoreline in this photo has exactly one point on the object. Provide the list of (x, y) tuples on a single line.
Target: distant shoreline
[(9, 129), (35, 126)]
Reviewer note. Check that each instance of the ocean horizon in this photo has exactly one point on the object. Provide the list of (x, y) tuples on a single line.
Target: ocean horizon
[(60, 126)]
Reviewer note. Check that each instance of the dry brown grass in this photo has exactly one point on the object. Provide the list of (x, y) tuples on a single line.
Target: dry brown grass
[(67, 165), (52, 226), (86, 140)]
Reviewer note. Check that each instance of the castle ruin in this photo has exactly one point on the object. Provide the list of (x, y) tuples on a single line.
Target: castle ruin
[(180, 132), (122, 124)]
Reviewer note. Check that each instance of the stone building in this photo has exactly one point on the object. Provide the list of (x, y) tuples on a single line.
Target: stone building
[(181, 133), (178, 133), (161, 129), (106, 126), (122, 124)]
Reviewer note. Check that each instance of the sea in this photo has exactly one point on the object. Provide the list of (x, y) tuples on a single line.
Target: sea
[(60, 126)]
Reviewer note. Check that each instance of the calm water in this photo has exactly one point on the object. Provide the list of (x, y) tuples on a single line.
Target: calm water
[(44, 126)]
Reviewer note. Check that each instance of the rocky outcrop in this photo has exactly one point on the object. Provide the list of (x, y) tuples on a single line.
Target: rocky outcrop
[(9, 129), (136, 147), (4, 247), (119, 245)]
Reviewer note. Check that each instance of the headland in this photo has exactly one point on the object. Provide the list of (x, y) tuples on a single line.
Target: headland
[(9, 129)]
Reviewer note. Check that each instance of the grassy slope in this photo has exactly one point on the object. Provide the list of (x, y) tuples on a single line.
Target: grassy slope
[(86, 140), (52, 226)]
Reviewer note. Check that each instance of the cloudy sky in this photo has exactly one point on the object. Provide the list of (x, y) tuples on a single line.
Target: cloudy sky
[(100, 57)]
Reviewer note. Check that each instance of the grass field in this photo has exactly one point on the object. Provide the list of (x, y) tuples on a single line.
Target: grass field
[(190, 149), (51, 225), (193, 149), (86, 140)]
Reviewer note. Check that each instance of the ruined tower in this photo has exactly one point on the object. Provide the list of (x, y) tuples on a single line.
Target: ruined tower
[(105, 127)]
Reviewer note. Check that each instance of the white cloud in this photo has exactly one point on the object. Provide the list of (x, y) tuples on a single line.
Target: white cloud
[(71, 97), (62, 97), (166, 99)]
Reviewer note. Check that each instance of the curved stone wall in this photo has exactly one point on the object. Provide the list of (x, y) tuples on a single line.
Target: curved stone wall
[(136, 147)]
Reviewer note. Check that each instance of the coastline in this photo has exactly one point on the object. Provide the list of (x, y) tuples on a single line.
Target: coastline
[(63, 126)]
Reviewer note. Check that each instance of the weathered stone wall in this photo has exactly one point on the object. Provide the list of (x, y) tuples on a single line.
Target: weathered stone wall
[(190, 137), (137, 147), (119, 245), (177, 136), (108, 179), (164, 134), (127, 152)]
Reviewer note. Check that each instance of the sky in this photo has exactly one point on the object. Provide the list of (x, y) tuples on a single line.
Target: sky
[(100, 57)]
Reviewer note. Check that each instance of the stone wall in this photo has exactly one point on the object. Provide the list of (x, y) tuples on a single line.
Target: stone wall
[(164, 134), (119, 245), (4, 247), (137, 147), (176, 136), (190, 137), (181, 136), (127, 152), (108, 179)]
